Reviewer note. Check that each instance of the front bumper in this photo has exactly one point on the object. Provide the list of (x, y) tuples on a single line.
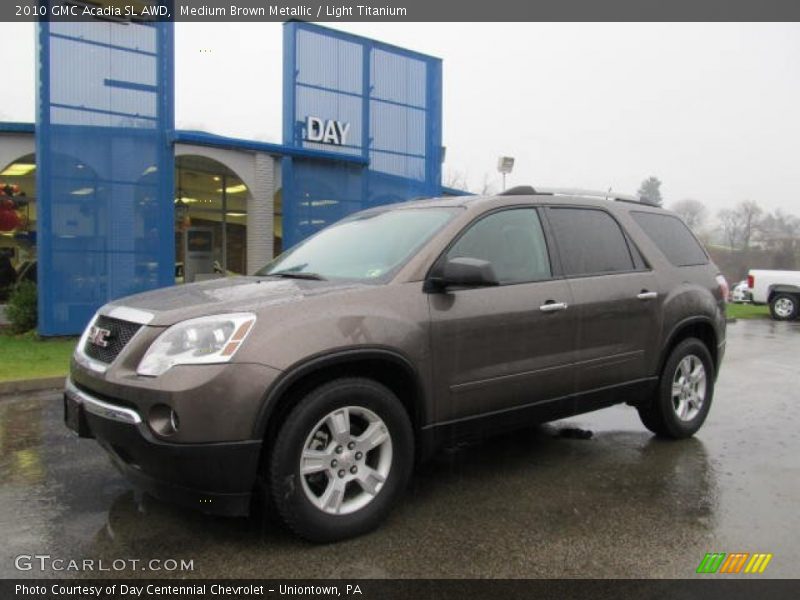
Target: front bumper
[(216, 478)]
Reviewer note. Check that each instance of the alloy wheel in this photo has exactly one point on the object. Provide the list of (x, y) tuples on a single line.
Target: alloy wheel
[(345, 460), (784, 307), (689, 387)]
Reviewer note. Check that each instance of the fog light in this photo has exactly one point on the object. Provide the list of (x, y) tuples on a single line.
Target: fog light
[(163, 420)]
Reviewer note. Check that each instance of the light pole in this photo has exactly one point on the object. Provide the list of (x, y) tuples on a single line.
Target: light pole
[(505, 164)]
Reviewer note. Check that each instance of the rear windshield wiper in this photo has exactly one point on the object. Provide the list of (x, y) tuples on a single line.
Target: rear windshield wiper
[(297, 275)]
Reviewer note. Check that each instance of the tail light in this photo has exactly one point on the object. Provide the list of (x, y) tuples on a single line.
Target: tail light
[(723, 286), (751, 281)]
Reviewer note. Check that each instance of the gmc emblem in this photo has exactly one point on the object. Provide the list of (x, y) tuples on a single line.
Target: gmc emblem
[(98, 336)]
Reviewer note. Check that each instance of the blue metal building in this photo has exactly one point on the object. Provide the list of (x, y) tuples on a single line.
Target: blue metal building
[(362, 126)]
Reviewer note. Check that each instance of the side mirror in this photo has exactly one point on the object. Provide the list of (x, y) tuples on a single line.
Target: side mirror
[(462, 271)]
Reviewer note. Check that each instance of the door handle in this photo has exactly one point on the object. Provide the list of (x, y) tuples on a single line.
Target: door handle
[(553, 306), (645, 295)]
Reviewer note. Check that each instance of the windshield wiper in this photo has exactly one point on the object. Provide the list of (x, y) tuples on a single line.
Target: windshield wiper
[(297, 275)]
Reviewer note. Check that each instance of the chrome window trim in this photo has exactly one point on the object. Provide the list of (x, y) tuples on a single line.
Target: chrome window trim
[(101, 408)]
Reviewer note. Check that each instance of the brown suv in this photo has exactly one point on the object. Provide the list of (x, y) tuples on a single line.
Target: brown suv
[(326, 375)]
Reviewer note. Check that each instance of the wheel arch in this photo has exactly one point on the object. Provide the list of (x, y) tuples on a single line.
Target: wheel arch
[(782, 288), (385, 366), (701, 328)]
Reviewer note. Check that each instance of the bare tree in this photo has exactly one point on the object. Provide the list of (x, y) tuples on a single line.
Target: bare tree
[(731, 226), (779, 233), (779, 225), (693, 212), (488, 187), (455, 179), (750, 218), (740, 225)]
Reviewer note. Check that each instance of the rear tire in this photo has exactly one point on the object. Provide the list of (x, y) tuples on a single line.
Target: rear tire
[(341, 460), (783, 307), (680, 405)]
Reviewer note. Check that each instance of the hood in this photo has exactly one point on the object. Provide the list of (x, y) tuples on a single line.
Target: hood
[(233, 294)]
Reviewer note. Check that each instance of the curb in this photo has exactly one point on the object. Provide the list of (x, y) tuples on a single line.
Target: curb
[(31, 385)]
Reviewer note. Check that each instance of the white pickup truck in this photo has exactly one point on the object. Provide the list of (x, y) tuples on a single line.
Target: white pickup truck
[(779, 289)]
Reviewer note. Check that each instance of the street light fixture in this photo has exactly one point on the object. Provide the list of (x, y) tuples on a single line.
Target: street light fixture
[(505, 164)]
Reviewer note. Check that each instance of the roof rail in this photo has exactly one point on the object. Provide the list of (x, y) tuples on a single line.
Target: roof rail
[(527, 190), (520, 190), (608, 195)]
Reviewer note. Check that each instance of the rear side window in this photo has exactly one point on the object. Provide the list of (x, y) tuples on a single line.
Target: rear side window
[(590, 242), (672, 237)]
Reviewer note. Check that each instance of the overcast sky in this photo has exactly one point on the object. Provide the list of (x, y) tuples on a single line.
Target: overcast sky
[(713, 110)]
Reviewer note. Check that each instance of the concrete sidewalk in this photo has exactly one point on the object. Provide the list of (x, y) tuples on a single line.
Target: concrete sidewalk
[(17, 386)]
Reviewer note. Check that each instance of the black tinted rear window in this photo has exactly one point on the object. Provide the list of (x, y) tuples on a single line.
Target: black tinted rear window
[(591, 242), (673, 238)]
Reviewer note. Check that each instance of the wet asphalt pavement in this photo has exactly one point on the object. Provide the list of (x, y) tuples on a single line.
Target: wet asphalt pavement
[(533, 504)]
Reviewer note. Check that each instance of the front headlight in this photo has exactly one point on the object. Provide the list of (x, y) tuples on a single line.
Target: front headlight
[(206, 340)]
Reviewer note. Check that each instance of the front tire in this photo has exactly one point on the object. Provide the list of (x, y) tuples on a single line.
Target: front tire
[(783, 307), (341, 460), (681, 403)]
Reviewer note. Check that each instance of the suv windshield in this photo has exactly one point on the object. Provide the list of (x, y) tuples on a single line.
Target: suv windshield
[(366, 245)]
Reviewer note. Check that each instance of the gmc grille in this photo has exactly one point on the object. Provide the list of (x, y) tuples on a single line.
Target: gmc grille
[(121, 334)]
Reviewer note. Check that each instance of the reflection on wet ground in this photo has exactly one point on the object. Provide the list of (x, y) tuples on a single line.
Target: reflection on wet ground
[(549, 501)]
